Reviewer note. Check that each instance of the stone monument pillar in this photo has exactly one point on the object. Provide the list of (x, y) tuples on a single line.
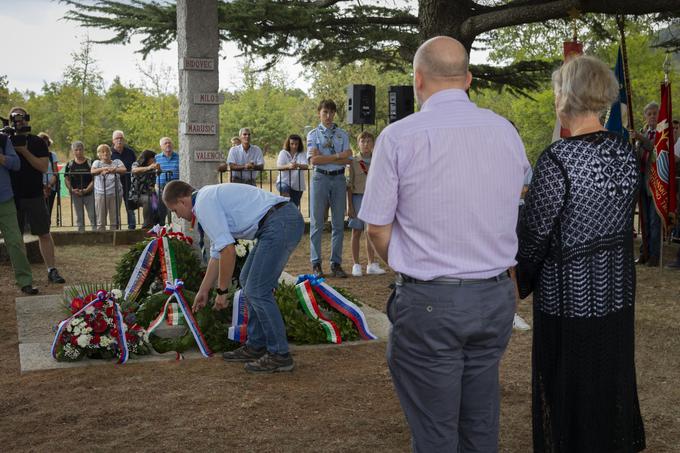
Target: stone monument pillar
[(199, 98)]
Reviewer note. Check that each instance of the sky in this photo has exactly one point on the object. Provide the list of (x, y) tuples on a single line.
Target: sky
[(38, 44)]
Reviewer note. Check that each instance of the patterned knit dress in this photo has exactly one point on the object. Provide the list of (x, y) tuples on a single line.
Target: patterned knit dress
[(576, 255)]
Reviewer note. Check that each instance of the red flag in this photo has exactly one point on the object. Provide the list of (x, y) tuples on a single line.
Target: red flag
[(571, 49), (662, 162)]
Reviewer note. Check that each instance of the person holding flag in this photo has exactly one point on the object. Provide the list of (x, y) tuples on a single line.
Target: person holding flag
[(651, 224)]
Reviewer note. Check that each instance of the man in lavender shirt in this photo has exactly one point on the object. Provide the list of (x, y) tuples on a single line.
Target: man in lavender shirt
[(441, 207)]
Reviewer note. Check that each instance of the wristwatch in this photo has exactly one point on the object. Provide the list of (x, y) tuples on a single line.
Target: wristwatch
[(221, 292)]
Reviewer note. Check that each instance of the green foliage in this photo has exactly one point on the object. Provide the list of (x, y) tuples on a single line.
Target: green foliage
[(189, 267), (213, 325), (83, 289), (268, 107), (303, 330)]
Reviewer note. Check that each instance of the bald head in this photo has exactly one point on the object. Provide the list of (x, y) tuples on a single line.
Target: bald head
[(440, 63), (441, 57)]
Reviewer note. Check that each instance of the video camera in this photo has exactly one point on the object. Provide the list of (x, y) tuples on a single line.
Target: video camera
[(13, 129)]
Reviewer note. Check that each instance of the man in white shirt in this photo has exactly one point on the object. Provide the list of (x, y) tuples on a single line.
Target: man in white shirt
[(245, 160)]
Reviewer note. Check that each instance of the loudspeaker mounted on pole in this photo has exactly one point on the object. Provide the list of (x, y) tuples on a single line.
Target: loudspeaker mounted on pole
[(400, 102), (360, 104)]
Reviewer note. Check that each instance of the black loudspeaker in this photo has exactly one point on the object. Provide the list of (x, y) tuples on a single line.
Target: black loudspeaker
[(360, 104), (400, 102)]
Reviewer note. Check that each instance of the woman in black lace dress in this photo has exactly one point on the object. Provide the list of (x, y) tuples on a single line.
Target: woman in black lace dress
[(576, 255)]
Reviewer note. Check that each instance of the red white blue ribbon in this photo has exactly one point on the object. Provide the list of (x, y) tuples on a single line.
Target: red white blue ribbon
[(340, 303), (238, 331), (102, 296), (141, 271), (122, 341), (174, 290), (160, 242)]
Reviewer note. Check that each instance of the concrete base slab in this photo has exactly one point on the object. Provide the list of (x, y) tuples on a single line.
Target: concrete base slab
[(37, 317)]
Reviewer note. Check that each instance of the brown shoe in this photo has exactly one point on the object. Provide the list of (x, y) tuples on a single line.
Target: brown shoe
[(336, 271), (653, 261), (641, 260), (316, 270)]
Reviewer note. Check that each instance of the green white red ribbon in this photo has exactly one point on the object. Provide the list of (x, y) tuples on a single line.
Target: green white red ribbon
[(174, 290), (338, 302), (311, 308)]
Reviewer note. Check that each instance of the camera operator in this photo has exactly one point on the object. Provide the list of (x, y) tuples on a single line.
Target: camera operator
[(9, 227), (27, 184)]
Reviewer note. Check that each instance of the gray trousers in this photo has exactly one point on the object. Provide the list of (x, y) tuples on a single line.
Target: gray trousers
[(443, 353), (107, 204), (80, 205)]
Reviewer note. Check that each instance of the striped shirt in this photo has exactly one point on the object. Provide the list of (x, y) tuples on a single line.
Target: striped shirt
[(168, 164), (448, 179)]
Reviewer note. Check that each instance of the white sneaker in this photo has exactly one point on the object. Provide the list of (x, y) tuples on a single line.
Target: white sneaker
[(374, 269), (520, 324), (356, 270)]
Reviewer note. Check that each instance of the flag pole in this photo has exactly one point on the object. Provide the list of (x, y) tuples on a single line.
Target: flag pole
[(666, 80), (621, 24), (620, 21)]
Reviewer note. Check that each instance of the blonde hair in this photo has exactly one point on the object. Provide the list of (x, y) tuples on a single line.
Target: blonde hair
[(46, 138), (584, 85), (103, 148)]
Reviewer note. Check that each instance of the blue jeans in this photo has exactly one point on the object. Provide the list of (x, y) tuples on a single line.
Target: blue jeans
[(295, 195), (276, 240), (327, 190), (651, 226)]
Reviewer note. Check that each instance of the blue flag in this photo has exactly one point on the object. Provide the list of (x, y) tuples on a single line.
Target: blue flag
[(618, 113)]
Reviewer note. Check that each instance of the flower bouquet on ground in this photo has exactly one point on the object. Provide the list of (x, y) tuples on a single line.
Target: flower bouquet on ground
[(98, 328)]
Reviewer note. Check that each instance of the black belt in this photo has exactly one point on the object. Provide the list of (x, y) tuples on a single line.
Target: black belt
[(331, 172), (274, 208), (403, 278)]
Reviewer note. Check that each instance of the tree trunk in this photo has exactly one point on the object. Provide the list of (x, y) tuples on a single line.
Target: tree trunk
[(443, 18)]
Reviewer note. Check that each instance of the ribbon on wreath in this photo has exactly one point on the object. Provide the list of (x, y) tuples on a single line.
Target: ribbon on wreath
[(340, 303), (101, 296), (238, 331), (174, 290), (160, 242), (311, 307)]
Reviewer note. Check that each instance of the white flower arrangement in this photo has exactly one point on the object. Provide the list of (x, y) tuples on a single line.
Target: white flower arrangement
[(84, 340), (241, 250), (244, 246)]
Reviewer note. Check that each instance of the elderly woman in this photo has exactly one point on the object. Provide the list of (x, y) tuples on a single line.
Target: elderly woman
[(80, 185), (576, 255)]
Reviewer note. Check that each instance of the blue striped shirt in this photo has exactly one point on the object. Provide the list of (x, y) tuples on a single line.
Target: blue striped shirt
[(168, 164)]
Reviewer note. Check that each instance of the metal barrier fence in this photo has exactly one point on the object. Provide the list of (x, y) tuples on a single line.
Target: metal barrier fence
[(108, 210)]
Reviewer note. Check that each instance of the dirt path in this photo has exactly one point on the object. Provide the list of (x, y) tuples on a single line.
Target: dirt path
[(336, 400)]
